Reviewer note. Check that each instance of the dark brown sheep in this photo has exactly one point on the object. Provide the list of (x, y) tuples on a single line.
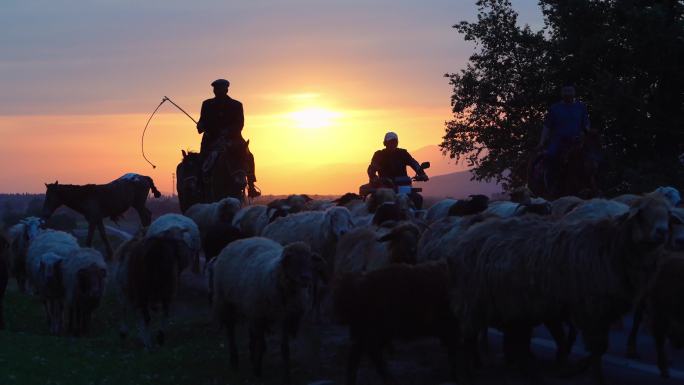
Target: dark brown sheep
[(397, 302), (148, 275), (519, 272), (665, 304)]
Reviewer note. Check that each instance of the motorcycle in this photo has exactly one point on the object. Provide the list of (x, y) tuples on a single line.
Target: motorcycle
[(401, 185)]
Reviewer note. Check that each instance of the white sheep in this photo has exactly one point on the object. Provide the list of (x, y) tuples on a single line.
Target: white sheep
[(186, 227), (564, 205), (319, 229), (595, 209), (84, 274), (58, 243), (207, 214), (439, 210), (251, 220), (370, 248), (670, 193), (20, 236), (266, 284), (440, 237)]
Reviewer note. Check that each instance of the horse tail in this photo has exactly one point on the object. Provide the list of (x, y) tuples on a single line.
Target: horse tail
[(156, 192)]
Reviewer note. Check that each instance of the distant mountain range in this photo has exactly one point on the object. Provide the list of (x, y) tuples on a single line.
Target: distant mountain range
[(448, 178)]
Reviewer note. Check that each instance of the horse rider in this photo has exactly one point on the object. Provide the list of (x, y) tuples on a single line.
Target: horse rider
[(390, 164), (565, 125), (222, 117)]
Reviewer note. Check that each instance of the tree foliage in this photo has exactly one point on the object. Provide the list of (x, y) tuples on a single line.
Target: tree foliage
[(623, 56)]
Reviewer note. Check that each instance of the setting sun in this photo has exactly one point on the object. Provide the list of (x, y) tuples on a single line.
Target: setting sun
[(313, 117)]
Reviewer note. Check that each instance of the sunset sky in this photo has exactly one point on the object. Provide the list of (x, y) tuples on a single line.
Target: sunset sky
[(321, 82)]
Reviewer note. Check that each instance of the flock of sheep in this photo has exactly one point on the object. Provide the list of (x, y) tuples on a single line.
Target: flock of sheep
[(386, 271)]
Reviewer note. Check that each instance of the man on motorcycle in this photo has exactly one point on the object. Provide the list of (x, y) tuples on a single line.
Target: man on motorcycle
[(223, 118), (389, 165)]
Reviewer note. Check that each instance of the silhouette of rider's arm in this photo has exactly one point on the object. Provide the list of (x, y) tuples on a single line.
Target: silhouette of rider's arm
[(202, 122), (374, 167), (409, 161)]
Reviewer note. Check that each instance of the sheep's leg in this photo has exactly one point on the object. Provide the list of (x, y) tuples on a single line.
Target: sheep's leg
[(144, 328), (562, 346), (375, 354), (659, 334), (353, 362), (285, 353), (91, 234), (484, 341), (71, 321), (164, 324), (597, 345), (103, 235), (232, 345), (258, 346), (636, 323)]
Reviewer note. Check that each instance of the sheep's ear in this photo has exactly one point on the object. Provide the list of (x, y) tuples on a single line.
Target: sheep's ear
[(677, 217), (184, 153), (386, 238)]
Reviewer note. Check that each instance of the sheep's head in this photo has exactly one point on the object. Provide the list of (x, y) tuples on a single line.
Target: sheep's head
[(296, 270), (671, 194), (676, 235), (50, 275), (339, 221), (380, 196), (90, 285), (389, 211), (521, 195), (649, 219), (32, 227), (403, 242), (227, 209)]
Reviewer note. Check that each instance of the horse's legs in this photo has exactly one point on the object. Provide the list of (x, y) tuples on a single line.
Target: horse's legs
[(103, 235), (144, 214)]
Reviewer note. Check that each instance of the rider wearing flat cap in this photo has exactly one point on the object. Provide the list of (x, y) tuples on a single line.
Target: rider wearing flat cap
[(223, 117)]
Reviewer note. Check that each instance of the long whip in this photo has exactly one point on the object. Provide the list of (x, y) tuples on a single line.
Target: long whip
[(142, 139)]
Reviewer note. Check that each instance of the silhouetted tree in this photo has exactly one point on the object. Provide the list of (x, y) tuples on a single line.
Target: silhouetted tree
[(622, 55)]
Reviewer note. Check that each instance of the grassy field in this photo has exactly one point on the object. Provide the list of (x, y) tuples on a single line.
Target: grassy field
[(194, 353)]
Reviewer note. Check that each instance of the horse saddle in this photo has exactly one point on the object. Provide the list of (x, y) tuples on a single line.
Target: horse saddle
[(219, 147)]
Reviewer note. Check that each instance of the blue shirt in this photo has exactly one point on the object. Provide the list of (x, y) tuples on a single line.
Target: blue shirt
[(565, 121)]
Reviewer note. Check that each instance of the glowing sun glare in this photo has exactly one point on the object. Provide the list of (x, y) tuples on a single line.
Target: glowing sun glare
[(313, 117)]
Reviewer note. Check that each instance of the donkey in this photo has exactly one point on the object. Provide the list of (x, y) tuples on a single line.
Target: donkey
[(97, 202)]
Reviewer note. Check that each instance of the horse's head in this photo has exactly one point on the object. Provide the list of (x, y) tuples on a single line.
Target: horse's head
[(52, 200), (189, 172)]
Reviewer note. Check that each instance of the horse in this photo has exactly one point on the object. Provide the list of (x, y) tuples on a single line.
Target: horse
[(96, 202), (189, 180), (576, 174), (222, 173)]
